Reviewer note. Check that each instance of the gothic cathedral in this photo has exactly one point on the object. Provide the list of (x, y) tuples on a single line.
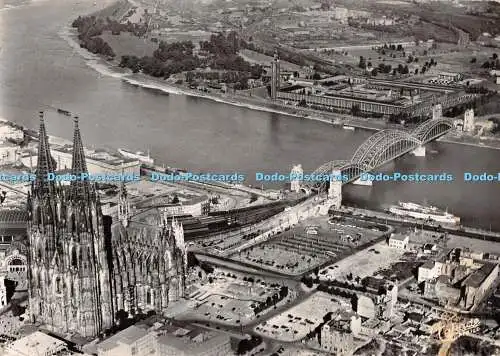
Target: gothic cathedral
[(84, 266)]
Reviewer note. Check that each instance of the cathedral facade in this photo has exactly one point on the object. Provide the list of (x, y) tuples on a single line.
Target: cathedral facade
[(84, 266)]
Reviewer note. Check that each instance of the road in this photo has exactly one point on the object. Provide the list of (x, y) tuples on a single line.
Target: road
[(239, 331)]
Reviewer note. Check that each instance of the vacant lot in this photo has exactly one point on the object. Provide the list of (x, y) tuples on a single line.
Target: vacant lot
[(127, 44), (364, 263), (297, 322)]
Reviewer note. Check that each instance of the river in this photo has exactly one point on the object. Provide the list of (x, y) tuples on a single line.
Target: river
[(39, 68)]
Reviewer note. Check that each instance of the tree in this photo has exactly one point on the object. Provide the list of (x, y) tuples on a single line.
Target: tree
[(362, 62), (486, 65), (494, 56), (121, 316), (175, 199), (473, 60), (416, 71), (307, 281), (316, 76), (17, 310)]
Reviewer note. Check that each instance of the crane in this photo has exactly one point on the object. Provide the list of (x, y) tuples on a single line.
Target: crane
[(450, 328)]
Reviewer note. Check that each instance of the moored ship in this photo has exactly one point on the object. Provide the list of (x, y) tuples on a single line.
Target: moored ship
[(137, 155), (422, 212)]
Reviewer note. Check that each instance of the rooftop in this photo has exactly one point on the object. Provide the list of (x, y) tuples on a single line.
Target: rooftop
[(428, 265), (194, 341), (127, 336), (98, 155), (341, 321), (477, 277), (399, 237), (12, 216), (37, 343)]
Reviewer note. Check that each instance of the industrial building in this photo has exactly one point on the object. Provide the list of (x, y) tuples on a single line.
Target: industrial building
[(98, 162), (369, 96), (166, 340), (459, 279), (399, 241), (135, 340), (478, 283), (379, 301), (186, 205), (338, 334), (38, 343)]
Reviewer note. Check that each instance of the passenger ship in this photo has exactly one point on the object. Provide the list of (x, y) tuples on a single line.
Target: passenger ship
[(424, 213)]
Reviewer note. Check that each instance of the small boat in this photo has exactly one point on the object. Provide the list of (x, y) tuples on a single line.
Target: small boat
[(350, 128), (64, 112), (137, 155)]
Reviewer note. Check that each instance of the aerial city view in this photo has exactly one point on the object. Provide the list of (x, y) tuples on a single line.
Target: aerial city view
[(249, 177)]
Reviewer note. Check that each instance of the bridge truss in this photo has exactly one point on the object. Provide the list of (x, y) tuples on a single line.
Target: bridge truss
[(383, 147)]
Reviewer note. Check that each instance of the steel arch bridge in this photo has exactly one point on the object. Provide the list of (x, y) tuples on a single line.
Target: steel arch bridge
[(381, 148)]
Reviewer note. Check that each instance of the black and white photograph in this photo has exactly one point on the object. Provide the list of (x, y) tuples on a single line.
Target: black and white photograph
[(249, 177)]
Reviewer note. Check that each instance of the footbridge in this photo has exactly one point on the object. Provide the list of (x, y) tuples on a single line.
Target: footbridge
[(383, 147)]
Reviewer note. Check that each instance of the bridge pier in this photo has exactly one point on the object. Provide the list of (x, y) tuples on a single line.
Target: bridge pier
[(334, 198), (419, 151)]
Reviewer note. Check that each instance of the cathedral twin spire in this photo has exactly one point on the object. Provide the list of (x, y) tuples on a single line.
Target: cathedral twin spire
[(45, 162), (80, 188)]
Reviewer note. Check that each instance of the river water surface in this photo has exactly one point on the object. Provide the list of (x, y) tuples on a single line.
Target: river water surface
[(39, 68)]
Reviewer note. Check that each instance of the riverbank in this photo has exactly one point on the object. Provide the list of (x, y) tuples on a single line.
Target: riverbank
[(111, 69), (490, 143)]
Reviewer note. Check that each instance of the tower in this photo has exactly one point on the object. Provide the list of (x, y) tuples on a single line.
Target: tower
[(69, 288), (275, 76), (469, 124), (335, 189), (437, 112), (296, 176)]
